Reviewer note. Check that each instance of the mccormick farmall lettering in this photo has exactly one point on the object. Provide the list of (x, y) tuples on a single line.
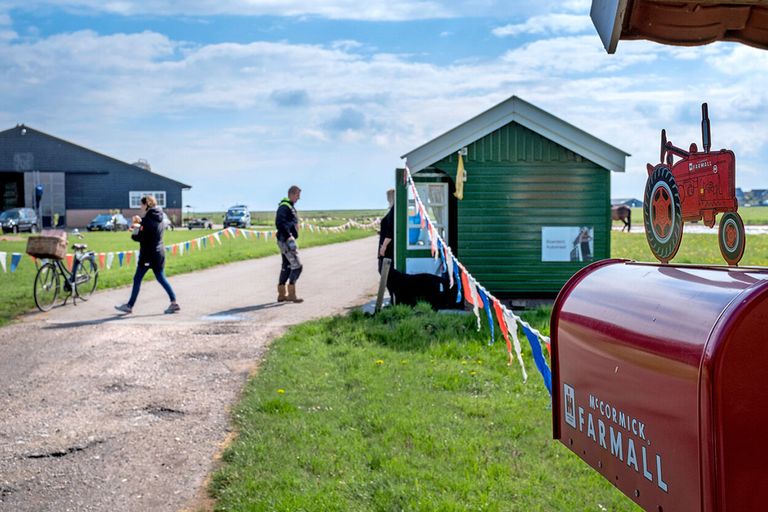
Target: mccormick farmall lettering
[(713, 175)]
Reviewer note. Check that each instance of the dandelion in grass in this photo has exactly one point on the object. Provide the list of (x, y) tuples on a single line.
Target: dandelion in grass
[(379, 361), (281, 391), (473, 372)]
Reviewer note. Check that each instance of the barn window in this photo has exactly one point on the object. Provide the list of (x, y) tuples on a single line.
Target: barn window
[(134, 197), (434, 196)]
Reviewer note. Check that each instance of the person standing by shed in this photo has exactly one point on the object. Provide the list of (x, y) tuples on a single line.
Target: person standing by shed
[(286, 223)]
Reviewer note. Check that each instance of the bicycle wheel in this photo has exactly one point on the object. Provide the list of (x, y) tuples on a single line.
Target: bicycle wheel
[(87, 278), (46, 286)]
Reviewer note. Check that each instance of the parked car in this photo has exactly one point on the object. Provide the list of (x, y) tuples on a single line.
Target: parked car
[(238, 216), (201, 223), (107, 222), (19, 219)]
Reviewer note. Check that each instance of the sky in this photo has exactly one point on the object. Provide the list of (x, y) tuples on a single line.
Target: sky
[(242, 98)]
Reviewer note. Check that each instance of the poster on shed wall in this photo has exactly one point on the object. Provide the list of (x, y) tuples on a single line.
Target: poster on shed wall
[(567, 243)]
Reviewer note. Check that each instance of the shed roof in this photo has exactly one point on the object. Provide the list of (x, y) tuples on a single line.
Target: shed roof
[(681, 22), (520, 111)]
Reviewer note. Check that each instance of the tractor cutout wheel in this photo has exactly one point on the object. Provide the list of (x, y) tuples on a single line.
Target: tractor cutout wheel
[(662, 215), (731, 237)]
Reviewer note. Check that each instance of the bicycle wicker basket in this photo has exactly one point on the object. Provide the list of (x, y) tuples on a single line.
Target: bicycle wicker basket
[(49, 244)]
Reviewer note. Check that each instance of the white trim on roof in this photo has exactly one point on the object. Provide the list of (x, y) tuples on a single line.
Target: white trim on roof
[(530, 116)]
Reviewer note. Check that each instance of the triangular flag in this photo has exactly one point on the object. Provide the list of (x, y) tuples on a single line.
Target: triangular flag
[(136, 253), (488, 313), (461, 175), (110, 259), (512, 329), (120, 257), (205, 241), (538, 358), (174, 249), (128, 258), (503, 326), (102, 259), (188, 246), (227, 233), (457, 279), (70, 259), (465, 282), (15, 260), (218, 239), (3, 256)]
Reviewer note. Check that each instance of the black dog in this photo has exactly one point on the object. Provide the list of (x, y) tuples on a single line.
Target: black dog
[(412, 288)]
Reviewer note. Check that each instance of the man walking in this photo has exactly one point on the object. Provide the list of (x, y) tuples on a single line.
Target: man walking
[(287, 222)]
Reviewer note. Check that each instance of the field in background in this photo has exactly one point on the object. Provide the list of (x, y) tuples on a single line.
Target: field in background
[(327, 218), (754, 215)]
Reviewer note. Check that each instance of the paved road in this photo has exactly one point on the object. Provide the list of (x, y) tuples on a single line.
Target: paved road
[(109, 413)]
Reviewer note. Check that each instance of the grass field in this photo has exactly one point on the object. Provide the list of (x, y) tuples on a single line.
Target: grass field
[(408, 410), (318, 217), (754, 215), (16, 288)]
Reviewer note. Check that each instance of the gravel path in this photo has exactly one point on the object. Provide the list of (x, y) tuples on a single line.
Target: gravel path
[(109, 413)]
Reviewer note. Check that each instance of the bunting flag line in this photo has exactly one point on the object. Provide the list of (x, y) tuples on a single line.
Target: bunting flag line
[(478, 297), (3, 256)]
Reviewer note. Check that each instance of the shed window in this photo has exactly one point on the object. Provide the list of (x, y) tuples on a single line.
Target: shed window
[(134, 197), (435, 199)]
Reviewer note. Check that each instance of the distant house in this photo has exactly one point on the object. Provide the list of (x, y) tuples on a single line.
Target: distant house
[(78, 183), (740, 197), (534, 182), (631, 202)]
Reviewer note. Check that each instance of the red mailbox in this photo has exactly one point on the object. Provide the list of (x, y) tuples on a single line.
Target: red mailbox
[(660, 382)]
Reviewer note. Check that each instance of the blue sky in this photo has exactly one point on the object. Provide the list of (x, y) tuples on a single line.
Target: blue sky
[(243, 98)]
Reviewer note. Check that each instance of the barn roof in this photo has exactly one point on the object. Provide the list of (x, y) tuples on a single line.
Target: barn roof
[(681, 22), (48, 147), (520, 111)]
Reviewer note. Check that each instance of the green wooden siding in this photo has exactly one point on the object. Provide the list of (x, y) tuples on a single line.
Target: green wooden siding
[(518, 182)]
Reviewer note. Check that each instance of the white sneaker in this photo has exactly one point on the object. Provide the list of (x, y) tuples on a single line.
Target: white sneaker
[(124, 308)]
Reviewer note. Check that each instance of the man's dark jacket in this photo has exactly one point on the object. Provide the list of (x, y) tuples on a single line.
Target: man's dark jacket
[(286, 221), (150, 238)]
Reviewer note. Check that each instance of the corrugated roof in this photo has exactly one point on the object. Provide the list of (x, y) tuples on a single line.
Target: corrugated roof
[(681, 22), (520, 111)]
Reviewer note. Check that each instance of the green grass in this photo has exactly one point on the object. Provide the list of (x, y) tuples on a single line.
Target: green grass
[(408, 410), (694, 248), (16, 288), (754, 215)]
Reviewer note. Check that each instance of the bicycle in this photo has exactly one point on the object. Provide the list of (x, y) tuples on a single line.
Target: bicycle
[(78, 283)]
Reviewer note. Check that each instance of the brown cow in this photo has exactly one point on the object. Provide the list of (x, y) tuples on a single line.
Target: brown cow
[(623, 213)]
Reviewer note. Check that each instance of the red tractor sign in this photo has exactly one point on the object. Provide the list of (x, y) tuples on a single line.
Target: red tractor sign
[(698, 186)]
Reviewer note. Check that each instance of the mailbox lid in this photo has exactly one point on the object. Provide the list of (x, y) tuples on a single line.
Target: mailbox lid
[(628, 340)]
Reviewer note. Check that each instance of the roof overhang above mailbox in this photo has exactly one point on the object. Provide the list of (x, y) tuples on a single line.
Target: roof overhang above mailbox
[(682, 23)]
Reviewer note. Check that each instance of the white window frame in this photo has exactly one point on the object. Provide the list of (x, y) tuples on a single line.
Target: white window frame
[(134, 197), (441, 224)]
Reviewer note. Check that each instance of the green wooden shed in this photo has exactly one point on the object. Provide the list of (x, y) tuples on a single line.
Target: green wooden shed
[(536, 200)]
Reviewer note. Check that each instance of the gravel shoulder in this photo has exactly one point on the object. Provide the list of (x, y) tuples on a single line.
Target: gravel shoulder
[(102, 412)]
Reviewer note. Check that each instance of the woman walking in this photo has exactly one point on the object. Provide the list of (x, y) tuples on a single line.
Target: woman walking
[(151, 255)]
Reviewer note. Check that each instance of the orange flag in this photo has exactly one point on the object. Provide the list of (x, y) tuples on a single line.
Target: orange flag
[(503, 326), (102, 259), (70, 259), (174, 249), (128, 257), (465, 285)]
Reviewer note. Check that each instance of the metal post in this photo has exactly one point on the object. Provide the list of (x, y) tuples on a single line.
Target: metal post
[(385, 264)]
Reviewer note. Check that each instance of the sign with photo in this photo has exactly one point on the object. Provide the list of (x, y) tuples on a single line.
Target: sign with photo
[(567, 243)]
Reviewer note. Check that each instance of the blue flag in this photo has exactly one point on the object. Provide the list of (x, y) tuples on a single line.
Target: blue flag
[(457, 279), (15, 260), (538, 358), (487, 308)]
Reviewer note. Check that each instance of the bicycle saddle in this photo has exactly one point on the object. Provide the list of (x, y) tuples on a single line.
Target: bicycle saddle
[(79, 247)]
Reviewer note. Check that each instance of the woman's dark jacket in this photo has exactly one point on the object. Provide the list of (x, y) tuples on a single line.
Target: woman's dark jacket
[(150, 238)]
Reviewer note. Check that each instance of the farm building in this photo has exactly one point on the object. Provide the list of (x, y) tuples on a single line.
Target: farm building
[(536, 199), (78, 183)]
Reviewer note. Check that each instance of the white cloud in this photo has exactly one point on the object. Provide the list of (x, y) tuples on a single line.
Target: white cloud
[(547, 24), (269, 111)]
